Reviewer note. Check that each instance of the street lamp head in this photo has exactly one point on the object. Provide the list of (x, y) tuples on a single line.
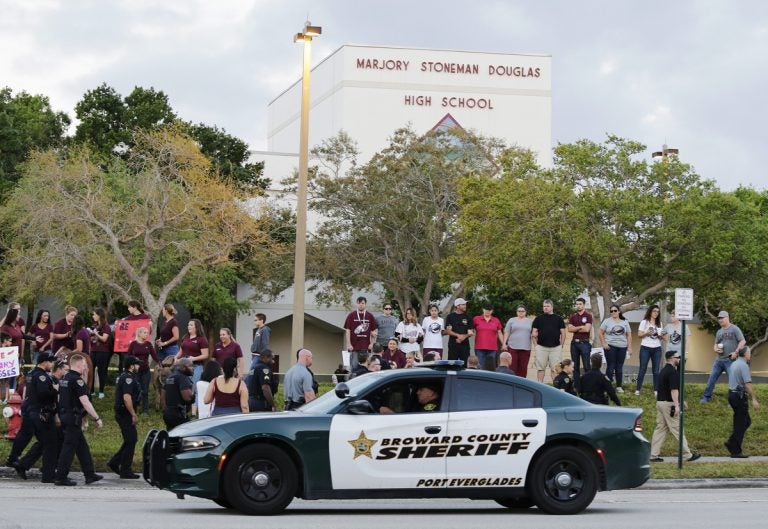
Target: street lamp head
[(312, 31), (309, 32)]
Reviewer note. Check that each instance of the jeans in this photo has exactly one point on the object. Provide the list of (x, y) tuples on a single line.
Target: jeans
[(197, 373), (718, 367), (614, 358), (168, 350), (580, 352), (486, 355), (654, 355)]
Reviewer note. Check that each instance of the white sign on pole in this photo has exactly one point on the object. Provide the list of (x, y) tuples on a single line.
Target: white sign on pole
[(684, 304)]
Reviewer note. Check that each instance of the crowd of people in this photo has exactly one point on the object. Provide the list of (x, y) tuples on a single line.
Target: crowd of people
[(194, 380)]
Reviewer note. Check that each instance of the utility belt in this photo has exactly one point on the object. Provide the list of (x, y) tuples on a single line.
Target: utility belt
[(180, 410), (74, 415), (45, 413), (293, 404), (739, 392)]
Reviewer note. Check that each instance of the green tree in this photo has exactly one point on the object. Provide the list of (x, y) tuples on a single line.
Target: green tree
[(27, 122), (391, 221), (108, 123), (148, 226), (602, 219)]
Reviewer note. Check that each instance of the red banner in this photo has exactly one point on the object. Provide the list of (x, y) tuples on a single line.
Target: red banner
[(125, 332)]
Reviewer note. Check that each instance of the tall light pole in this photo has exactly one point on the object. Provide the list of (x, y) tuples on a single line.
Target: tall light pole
[(300, 263), (664, 153)]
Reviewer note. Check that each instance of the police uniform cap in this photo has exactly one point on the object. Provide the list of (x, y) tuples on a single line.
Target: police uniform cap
[(45, 357), (131, 360)]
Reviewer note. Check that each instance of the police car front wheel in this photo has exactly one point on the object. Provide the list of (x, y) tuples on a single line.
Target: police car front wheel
[(564, 480), (515, 503), (260, 479)]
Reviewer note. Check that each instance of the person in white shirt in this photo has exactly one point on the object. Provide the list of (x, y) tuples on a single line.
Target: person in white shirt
[(434, 327), (409, 333)]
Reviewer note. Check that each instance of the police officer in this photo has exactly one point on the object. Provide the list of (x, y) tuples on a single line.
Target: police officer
[(178, 393), (262, 384), (428, 398), (73, 406), (127, 396), (40, 408), (595, 385)]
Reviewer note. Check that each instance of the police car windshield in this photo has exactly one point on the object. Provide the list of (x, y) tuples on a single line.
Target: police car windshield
[(328, 401)]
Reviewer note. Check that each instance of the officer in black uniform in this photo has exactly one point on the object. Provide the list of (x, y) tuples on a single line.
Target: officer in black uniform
[(428, 396), (127, 396), (594, 385), (73, 405), (178, 393), (40, 407), (262, 384)]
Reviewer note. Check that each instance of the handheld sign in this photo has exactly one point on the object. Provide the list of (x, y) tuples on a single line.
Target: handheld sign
[(9, 362), (125, 332)]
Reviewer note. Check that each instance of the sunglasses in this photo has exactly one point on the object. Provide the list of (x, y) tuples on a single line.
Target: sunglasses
[(387, 308), (614, 310)]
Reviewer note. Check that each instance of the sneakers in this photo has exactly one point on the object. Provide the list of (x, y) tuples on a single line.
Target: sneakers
[(657, 459), (637, 393), (694, 456), (93, 478), (101, 396), (619, 389), (704, 400), (739, 456)]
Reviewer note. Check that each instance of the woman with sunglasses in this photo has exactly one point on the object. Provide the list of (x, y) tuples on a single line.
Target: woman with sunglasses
[(652, 332), (616, 337)]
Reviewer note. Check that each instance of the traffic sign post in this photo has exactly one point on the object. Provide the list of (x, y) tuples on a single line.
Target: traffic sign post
[(683, 312)]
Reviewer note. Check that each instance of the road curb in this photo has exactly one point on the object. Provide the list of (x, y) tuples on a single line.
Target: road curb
[(113, 481)]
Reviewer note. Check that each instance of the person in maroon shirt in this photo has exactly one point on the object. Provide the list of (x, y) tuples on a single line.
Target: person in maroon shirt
[(62, 331), (41, 330), (195, 347), (142, 349), (393, 354), (167, 342), (10, 327), (358, 331), (100, 346), (580, 324), (228, 348)]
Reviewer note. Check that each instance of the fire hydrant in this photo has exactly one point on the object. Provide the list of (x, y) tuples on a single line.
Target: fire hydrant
[(12, 414)]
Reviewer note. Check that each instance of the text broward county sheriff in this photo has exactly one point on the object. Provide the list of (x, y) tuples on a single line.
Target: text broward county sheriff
[(452, 446)]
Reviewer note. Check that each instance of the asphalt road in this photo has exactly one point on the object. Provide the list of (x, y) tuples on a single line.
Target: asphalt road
[(27, 505)]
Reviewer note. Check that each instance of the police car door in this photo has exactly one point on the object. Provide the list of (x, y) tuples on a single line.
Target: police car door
[(495, 428), (400, 450)]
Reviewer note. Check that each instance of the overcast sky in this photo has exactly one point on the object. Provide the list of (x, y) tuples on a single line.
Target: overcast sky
[(692, 74)]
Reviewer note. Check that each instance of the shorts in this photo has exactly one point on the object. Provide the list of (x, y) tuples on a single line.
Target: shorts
[(547, 356)]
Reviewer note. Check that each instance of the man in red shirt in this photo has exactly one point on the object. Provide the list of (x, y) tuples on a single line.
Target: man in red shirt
[(358, 332), (488, 335), (580, 324)]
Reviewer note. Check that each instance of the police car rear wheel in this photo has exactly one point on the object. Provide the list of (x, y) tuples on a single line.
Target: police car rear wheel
[(564, 481), (260, 479), (515, 503)]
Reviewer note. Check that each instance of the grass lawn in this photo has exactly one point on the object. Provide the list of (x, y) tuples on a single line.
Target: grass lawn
[(707, 426)]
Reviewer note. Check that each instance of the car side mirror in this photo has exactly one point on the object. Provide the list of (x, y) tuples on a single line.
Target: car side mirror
[(360, 407), (342, 390)]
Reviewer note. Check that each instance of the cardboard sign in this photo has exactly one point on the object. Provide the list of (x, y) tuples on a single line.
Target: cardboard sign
[(9, 362), (125, 332)]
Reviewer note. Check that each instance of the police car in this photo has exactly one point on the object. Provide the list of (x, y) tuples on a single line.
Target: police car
[(485, 435)]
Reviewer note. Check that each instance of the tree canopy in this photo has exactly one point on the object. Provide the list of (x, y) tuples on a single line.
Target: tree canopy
[(138, 226)]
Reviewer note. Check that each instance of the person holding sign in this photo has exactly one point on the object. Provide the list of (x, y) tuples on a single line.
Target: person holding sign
[(13, 330)]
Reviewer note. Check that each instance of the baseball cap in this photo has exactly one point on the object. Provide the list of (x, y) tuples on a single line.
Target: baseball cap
[(459, 301), (670, 354), (723, 314)]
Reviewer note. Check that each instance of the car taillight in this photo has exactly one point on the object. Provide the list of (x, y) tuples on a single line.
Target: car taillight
[(638, 424)]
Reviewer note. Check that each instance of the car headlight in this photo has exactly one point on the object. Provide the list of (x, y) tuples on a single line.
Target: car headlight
[(198, 442)]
